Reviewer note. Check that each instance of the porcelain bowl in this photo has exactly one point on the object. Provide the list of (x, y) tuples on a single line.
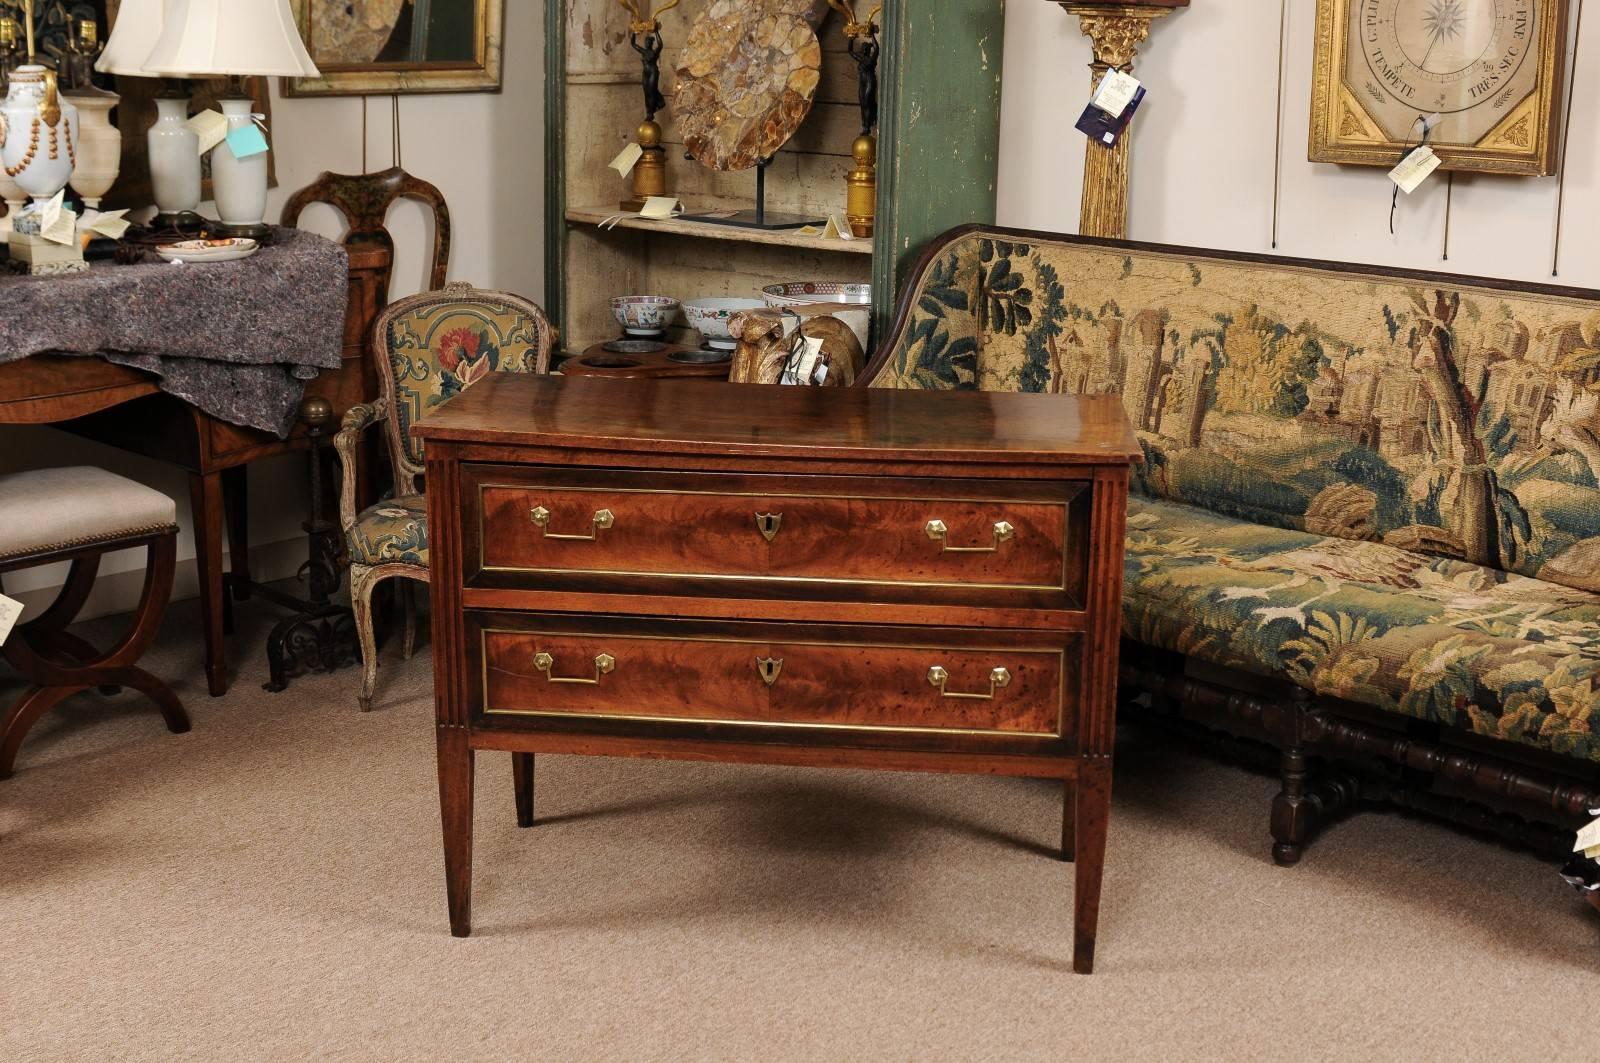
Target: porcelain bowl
[(643, 315), (803, 293), (709, 317)]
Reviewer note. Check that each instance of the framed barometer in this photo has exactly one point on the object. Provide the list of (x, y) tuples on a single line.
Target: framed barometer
[(1490, 69)]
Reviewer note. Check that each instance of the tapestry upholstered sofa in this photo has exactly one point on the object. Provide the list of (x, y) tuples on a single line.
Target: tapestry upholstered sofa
[(1367, 527)]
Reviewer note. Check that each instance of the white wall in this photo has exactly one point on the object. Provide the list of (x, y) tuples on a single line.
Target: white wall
[(1203, 153), (485, 152)]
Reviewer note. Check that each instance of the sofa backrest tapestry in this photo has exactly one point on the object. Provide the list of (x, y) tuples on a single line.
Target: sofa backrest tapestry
[(1442, 417)]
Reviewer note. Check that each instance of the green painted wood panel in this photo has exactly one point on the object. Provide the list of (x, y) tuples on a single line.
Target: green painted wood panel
[(938, 131)]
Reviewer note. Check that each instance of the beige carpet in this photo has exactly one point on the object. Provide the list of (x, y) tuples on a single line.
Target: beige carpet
[(270, 887)]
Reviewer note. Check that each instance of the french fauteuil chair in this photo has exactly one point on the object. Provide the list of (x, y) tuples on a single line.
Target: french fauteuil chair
[(429, 348)]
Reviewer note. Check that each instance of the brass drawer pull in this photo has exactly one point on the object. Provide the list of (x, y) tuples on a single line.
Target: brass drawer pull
[(937, 531), (603, 518), (603, 663), (997, 679)]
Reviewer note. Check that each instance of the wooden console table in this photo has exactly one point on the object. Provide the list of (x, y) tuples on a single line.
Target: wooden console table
[(125, 408), (842, 577)]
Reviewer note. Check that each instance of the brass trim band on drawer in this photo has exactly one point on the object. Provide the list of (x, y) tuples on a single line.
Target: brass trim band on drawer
[(489, 709), (602, 519), (938, 531), (998, 678), (1068, 552), (603, 664)]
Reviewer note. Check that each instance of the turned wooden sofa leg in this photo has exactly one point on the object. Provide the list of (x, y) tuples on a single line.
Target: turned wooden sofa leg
[(1293, 808)]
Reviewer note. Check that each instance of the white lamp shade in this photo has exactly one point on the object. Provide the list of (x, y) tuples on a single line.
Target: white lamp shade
[(138, 25), (244, 37)]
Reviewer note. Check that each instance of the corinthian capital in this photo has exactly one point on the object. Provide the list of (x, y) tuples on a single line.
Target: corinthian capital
[(1115, 30)]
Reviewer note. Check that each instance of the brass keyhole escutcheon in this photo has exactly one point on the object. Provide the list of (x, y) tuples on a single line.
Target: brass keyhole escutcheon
[(769, 667), (768, 524)]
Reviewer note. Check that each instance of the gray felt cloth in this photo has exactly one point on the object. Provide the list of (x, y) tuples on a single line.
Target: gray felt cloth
[(237, 339)]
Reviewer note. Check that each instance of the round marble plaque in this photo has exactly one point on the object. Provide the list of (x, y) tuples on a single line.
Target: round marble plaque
[(747, 75)]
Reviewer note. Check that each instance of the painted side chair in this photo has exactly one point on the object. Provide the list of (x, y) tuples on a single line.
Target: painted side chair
[(429, 348)]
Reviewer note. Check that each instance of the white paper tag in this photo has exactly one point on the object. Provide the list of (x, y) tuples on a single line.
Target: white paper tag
[(211, 127), (1414, 169), (808, 357), (55, 224), (659, 208), (107, 223), (626, 158), (1115, 91), (1588, 837), (10, 610)]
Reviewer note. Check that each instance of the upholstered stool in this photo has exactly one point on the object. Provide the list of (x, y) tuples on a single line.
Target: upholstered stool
[(78, 515)]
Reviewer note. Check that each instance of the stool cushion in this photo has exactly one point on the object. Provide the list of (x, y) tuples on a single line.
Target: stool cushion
[(56, 509)]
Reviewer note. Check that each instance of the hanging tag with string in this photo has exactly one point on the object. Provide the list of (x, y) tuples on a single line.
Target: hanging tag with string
[(248, 139), (1416, 164)]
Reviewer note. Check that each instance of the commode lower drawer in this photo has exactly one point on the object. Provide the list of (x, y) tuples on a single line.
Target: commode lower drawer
[(566, 670)]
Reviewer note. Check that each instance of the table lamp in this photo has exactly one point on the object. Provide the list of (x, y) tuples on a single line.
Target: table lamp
[(173, 148), (236, 38)]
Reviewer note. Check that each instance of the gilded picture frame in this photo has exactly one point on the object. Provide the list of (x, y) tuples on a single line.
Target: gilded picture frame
[(1524, 143), (386, 47)]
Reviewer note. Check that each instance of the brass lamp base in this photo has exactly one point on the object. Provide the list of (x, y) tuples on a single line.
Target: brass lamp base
[(650, 172), (861, 197)]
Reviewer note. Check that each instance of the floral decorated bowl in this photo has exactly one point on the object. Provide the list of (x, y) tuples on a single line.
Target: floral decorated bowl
[(643, 315), (709, 317), (803, 293)]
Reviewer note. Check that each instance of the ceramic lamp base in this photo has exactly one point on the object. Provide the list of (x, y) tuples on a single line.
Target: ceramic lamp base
[(179, 223), (260, 232)]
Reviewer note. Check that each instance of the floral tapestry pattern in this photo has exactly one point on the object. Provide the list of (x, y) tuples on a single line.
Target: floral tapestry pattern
[(1461, 423), (440, 349), (1433, 638), (1384, 490), (394, 530)]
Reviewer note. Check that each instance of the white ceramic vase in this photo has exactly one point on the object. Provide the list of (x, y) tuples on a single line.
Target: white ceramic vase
[(100, 146), (174, 151), (15, 199), (38, 133), (239, 185)]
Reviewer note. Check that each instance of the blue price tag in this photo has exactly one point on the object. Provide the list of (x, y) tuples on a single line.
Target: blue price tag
[(247, 140)]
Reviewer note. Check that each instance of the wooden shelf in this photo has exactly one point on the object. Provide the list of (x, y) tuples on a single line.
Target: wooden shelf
[(729, 233)]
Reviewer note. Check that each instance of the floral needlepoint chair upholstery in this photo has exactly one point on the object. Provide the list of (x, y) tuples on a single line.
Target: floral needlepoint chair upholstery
[(430, 347), (1368, 523)]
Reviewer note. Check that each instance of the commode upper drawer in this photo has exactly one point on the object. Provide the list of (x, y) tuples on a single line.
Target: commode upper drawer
[(841, 535)]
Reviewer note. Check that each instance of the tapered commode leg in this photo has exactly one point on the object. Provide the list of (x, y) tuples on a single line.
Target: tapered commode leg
[(522, 782), (455, 808), (1094, 811), (1069, 820)]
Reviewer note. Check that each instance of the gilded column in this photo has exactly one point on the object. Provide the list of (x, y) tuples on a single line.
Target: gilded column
[(1116, 31)]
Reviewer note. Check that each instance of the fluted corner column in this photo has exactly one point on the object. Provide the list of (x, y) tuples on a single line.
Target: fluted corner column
[(1116, 31)]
